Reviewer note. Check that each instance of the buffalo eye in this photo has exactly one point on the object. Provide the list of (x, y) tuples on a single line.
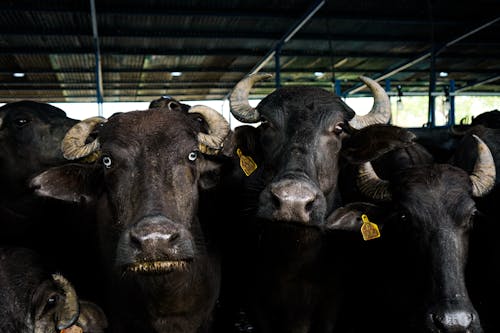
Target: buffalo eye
[(403, 216), (21, 122), (193, 156), (51, 300), (106, 161), (338, 128), (50, 303)]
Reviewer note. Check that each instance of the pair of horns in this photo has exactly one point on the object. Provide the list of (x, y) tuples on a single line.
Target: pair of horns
[(241, 109), (74, 147), (482, 177)]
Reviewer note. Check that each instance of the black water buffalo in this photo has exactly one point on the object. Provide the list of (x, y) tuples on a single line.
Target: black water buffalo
[(412, 279), (163, 270), (34, 301), (169, 103), (288, 185), (443, 141), (483, 269), (30, 141)]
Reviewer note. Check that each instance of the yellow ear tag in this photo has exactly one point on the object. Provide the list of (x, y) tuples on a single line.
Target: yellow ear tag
[(369, 230), (247, 164)]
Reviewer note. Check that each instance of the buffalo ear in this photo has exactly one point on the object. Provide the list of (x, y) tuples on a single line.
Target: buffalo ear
[(71, 182), (246, 139), (373, 141), (348, 217), (92, 319)]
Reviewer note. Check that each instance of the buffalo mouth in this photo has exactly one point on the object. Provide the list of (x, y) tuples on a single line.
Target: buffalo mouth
[(158, 267)]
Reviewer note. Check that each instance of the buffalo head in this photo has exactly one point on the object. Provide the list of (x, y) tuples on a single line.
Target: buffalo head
[(433, 207), (148, 172), (30, 136), (33, 301), (298, 144)]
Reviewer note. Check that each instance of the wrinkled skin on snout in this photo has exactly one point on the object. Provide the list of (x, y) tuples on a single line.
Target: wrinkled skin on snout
[(34, 301), (147, 184)]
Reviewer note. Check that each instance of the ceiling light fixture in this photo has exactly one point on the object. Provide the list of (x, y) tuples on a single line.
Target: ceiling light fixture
[(176, 73), (443, 74), (18, 74), (319, 74)]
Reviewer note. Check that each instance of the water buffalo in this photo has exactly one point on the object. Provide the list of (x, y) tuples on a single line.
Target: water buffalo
[(30, 141), (413, 278), (169, 103), (483, 268), (288, 185), (442, 142), (34, 301), (162, 269)]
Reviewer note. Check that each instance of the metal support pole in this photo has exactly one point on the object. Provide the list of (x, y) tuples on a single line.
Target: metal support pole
[(289, 35), (338, 89), (432, 88), (98, 65), (388, 85), (451, 115), (277, 65)]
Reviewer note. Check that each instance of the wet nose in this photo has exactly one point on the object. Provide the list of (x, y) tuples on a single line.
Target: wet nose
[(160, 238), (294, 200), (453, 321)]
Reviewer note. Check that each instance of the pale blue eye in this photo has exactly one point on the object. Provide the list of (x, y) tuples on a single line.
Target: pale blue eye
[(106, 161), (193, 156)]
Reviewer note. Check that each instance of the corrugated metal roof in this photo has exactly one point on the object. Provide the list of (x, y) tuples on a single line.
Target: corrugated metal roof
[(215, 43)]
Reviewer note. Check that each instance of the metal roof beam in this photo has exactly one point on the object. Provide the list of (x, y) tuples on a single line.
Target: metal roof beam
[(426, 55), (226, 52), (98, 64), (141, 10), (479, 83), (240, 70), (288, 35)]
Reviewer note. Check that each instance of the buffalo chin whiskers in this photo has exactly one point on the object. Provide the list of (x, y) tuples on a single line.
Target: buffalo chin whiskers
[(158, 267)]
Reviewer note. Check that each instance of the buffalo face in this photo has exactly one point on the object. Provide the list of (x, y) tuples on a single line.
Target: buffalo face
[(30, 141), (300, 138), (149, 170)]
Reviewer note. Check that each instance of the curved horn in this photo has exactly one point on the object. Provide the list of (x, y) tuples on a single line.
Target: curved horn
[(73, 145), (70, 310), (381, 110), (484, 174), (371, 185), (238, 101), (218, 129)]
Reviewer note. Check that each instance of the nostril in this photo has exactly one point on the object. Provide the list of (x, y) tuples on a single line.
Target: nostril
[(309, 206), (135, 240), (174, 237), (275, 200)]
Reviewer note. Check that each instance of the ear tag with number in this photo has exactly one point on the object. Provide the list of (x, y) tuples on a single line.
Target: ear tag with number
[(247, 164), (369, 230)]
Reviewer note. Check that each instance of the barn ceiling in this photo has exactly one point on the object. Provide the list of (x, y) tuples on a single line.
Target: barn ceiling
[(141, 44)]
